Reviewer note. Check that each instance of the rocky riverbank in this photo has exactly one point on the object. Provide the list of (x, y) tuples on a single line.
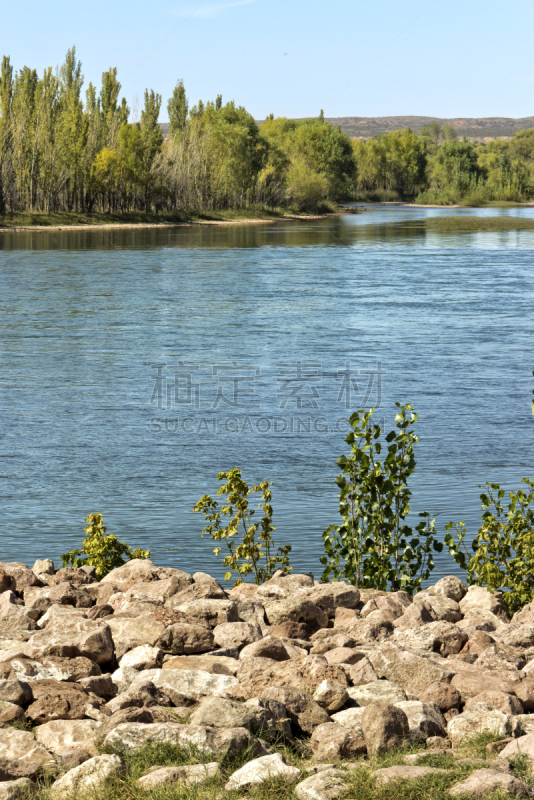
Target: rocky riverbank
[(91, 671)]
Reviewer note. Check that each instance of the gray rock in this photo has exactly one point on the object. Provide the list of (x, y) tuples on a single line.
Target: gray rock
[(72, 638), (410, 671), (185, 638), (185, 686), (424, 719), (332, 742), (163, 776), (90, 775), (484, 781), (481, 718), (64, 734), (216, 712), (326, 785), (261, 769), (377, 692), (132, 735), (350, 718), (236, 634), (522, 746), (407, 773), (21, 788)]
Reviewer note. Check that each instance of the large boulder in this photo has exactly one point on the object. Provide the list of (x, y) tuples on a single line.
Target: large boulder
[(478, 597), (217, 712), (502, 701), (328, 784), (332, 742), (330, 696), (58, 700), (214, 741), (451, 587), (384, 692), (472, 683), (424, 719), (295, 610), (410, 671), (90, 775), (437, 637), (197, 773), (303, 674), (236, 634), (61, 735), (489, 781), (132, 633), (445, 696), (185, 687), (481, 718), (73, 638), (384, 727), (207, 612), (21, 755), (217, 665), (133, 571)]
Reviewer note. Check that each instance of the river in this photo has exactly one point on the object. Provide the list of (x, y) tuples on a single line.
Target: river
[(137, 364)]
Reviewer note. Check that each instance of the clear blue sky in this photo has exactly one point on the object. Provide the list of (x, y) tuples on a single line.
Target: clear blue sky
[(444, 58)]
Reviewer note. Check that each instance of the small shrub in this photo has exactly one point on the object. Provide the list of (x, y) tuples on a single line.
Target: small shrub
[(101, 551), (503, 550), (373, 547), (256, 542)]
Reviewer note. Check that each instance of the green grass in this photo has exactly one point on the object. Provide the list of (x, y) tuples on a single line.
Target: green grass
[(361, 784), (68, 219)]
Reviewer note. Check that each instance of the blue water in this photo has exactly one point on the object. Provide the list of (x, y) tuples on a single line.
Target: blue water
[(89, 320)]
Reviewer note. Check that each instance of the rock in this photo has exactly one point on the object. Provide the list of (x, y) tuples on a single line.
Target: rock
[(484, 781), (362, 673), (77, 576), (507, 703), (100, 685), (141, 695), (481, 718), (424, 719), (384, 727), (522, 746), (65, 594), (185, 686), (20, 750), (326, 785), (330, 596), (217, 741), (406, 773), (60, 735), (343, 655), (13, 790), (236, 634), (15, 618), (525, 615), (143, 657), (481, 619), (253, 613), (270, 647), (471, 684), (261, 769), (494, 748), (443, 695), (383, 692), (516, 635), (143, 715), (443, 608), (17, 692), (43, 567), (216, 712), (410, 671), (451, 587), (291, 630), (90, 775), (303, 674), (437, 637), (478, 597), (132, 633), (415, 616), (525, 692), (73, 638), (499, 657), (9, 712), (350, 718), (332, 742), (217, 665), (22, 577), (186, 639), (345, 617), (304, 713), (364, 631), (209, 613), (330, 696), (99, 612), (58, 700), (197, 773), (295, 610), (68, 759), (133, 571)]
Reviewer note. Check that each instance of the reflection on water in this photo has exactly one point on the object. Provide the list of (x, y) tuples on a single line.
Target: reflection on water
[(210, 323)]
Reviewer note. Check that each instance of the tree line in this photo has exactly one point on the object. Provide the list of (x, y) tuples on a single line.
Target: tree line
[(62, 150)]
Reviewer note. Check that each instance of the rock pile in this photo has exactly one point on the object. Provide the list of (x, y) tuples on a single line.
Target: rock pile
[(156, 654)]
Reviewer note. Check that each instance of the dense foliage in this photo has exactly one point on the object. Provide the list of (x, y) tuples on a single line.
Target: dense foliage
[(61, 150)]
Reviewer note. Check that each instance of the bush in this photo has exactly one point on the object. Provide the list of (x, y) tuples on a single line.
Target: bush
[(503, 550), (246, 557), (101, 551), (373, 547)]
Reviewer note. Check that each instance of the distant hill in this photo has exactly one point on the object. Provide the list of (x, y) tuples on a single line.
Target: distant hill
[(478, 129)]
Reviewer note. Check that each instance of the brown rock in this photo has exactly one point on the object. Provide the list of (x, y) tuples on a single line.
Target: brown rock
[(76, 577), (443, 695), (143, 715), (486, 781), (414, 673), (331, 742), (295, 610), (217, 665), (99, 612), (525, 692), (70, 639), (470, 684), (16, 691), (364, 631), (9, 712), (384, 727), (186, 639), (208, 613), (404, 773), (304, 713), (345, 617), (72, 757), (236, 634), (290, 630), (270, 647), (507, 703), (415, 616), (57, 700), (304, 674), (343, 655), (362, 673)]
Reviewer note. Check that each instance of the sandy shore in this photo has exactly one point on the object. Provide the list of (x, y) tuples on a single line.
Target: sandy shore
[(133, 225)]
